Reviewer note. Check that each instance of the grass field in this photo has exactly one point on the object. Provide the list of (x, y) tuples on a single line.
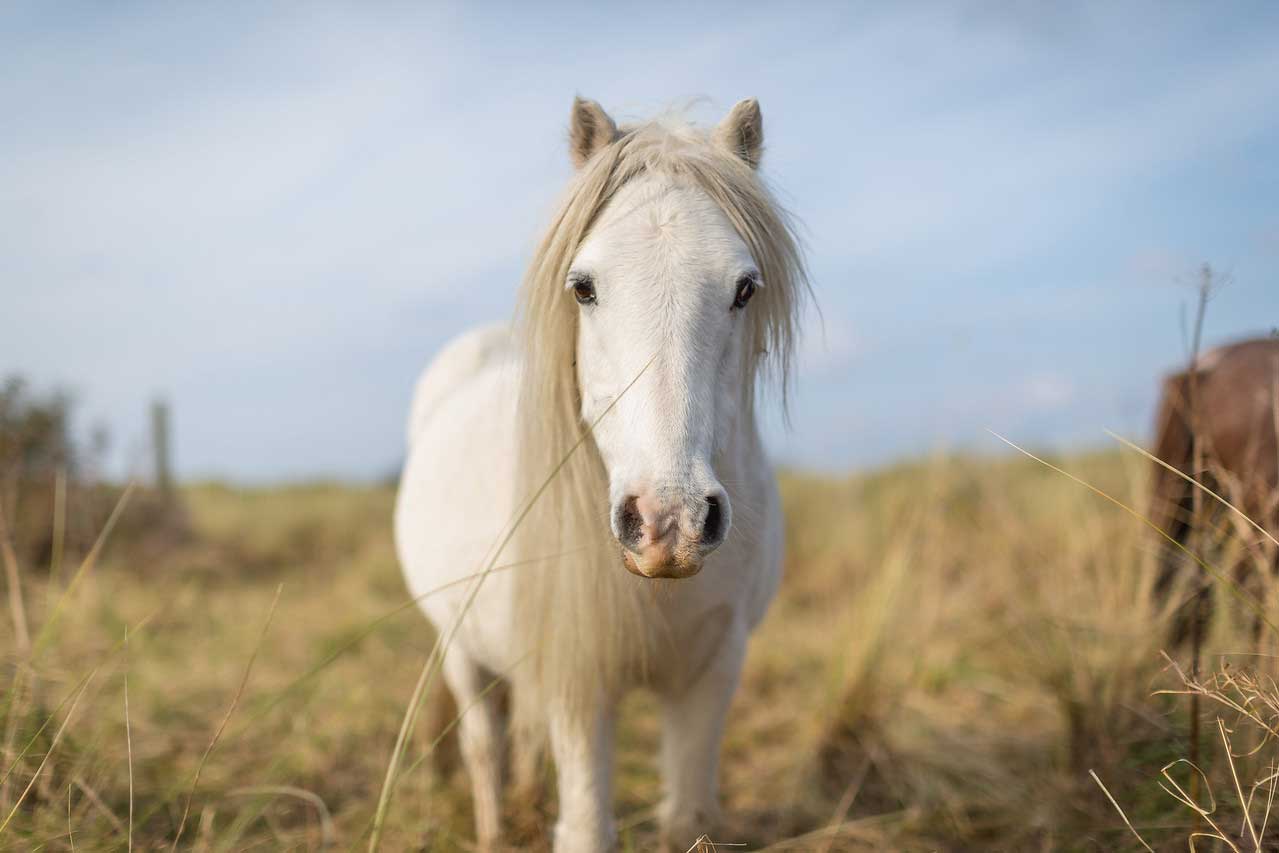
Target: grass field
[(957, 643)]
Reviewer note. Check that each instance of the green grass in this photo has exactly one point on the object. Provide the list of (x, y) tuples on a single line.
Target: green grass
[(957, 643)]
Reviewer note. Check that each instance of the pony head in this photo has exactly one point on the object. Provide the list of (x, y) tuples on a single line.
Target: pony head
[(668, 276), (663, 285), (667, 283)]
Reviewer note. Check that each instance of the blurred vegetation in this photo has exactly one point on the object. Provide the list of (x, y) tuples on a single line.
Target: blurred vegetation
[(52, 498), (957, 643), (35, 451)]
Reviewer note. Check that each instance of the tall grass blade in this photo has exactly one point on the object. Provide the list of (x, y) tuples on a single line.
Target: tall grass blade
[(59, 524), (235, 701), (1234, 777), (70, 831), (128, 736), (1127, 822), (90, 559), (13, 578), (57, 738)]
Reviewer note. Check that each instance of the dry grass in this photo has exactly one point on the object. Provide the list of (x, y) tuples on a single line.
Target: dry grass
[(957, 644)]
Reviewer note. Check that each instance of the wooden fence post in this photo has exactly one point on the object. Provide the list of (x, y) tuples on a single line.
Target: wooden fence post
[(161, 447)]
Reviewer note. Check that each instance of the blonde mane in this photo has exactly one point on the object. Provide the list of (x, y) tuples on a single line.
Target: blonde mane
[(580, 616)]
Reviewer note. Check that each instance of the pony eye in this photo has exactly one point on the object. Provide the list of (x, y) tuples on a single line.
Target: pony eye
[(584, 291), (745, 290)]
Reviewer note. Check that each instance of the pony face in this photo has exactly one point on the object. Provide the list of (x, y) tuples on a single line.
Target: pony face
[(667, 282), (663, 286)]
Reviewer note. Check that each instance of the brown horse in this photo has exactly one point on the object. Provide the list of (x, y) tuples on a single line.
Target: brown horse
[(1219, 423)]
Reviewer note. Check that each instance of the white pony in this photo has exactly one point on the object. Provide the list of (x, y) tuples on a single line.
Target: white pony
[(589, 466)]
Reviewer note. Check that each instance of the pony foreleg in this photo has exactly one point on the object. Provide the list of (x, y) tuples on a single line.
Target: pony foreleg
[(481, 732), (583, 753), (692, 728)]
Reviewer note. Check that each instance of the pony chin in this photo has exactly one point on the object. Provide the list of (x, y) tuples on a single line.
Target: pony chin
[(670, 565)]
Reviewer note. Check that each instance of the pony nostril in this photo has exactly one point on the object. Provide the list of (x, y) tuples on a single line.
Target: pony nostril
[(629, 522), (712, 527)]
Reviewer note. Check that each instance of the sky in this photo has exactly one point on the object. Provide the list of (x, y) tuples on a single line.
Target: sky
[(272, 215)]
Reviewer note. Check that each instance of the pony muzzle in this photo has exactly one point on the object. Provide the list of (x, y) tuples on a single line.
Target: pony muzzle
[(669, 538)]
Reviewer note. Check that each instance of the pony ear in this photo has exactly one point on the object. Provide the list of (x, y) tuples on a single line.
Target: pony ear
[(742, 132), (590, 129)]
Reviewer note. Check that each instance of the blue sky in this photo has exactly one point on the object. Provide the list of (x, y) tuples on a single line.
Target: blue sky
[(274, 214)]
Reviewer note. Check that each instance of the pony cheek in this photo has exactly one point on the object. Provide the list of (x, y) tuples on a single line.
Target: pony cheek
[(728, 400), (591, 389), (594, 409), (607, 442), (584, 362)]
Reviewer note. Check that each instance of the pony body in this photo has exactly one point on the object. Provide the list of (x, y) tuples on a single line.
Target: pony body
[(609, 439)]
